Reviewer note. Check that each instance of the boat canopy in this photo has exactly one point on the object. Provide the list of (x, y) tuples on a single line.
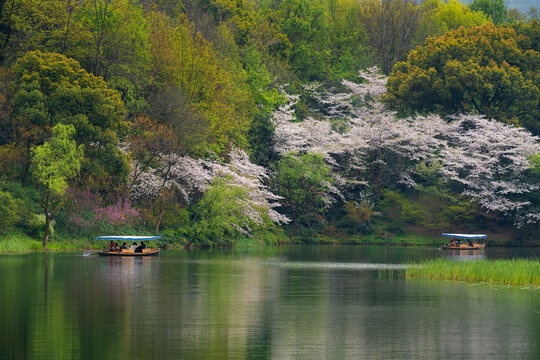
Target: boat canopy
[(128, 238), (465, 236)]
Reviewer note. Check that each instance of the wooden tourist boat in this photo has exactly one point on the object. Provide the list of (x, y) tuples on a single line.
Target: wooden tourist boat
[(129, 252), (464, 242)]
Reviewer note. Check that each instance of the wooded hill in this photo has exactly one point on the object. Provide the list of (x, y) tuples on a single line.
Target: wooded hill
[(211, 120)]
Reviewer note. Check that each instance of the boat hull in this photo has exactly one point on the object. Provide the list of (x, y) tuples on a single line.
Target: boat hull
[(464, 247), (148, 252)]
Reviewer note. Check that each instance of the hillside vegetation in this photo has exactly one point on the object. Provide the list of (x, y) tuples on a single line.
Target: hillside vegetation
[(215, 121)]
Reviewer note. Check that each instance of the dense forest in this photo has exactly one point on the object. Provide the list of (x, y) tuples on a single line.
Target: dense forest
[(215, 121)]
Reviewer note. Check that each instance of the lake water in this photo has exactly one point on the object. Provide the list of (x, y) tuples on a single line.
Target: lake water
[(302, 302)]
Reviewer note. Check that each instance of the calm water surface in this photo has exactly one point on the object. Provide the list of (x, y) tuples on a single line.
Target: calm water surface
[(274, 303)]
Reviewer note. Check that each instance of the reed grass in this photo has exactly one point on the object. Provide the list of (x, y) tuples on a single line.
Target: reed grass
[(518, 272), (16, 243), (19, 242)]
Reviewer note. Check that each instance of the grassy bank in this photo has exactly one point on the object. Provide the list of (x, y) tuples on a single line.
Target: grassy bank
[(520, 272), (21, 242)]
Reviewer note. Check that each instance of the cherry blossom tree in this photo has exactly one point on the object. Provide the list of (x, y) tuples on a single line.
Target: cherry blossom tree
[(192, 177), (374, 148), (490, 161)]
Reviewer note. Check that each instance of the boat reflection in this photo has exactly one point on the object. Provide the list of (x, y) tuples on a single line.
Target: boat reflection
[(465, 255)]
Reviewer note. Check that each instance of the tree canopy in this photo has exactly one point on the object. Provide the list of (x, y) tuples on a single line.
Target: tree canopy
[(50, 89), (483, 69), (53, 164)]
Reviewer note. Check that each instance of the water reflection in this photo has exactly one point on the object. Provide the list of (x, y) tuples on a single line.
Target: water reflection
[(465, 255), (284, 303)]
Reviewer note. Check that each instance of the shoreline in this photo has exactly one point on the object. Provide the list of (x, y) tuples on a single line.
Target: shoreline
[(28, 245)]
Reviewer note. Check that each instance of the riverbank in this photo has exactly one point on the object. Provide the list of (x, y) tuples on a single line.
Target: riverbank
[(516, 272), (20, 242)]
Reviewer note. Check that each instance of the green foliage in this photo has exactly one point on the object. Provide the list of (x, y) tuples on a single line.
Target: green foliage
[(429, 208), (50, 89), (57, 160), (482, 69), (496, 9), (535, 164), (36, 226), (305, 24), (261, 140), (304, 183), (53, 164), (360, 215), (9, 209), (27, 201), (220, 216), (200, 95), (443, 16), (47, 25), (199, 77)]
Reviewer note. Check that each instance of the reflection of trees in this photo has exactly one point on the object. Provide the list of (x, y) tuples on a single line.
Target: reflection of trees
[(205, 304)]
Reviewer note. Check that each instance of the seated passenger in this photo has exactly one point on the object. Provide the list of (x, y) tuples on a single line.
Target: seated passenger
[(124, 246), (133, 246), (143, 245), (138, 249), (111, 246)]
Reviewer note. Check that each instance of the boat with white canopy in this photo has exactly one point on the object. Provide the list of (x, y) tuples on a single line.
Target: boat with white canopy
[(464, 242), (137, 248)]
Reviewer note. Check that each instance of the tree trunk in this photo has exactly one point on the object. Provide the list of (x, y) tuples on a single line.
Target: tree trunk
[(292, 231), (160, 216), (47, 226)]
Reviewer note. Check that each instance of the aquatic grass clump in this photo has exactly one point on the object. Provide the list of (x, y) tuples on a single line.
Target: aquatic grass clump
[(519, 272)]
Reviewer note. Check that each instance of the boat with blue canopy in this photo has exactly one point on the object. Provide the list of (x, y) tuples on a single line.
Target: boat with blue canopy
[(464, 241), (137, 247)]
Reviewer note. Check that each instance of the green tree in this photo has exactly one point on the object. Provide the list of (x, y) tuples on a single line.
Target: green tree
[(49, 89), (53, 164), (348, 41), (304, 182), (482, 70), (10, 211), (359, 214), (116, 40), (447, 15), (223, 214), (496, 9), (306, 26), (190, 80)]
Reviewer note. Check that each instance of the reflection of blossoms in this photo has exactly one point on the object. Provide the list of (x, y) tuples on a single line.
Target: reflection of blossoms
[(487, 159)]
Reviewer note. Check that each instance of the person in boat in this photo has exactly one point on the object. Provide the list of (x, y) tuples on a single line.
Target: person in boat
[(111, 246), (143, 245), (139, 248), (133, 246), (124, 246)]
